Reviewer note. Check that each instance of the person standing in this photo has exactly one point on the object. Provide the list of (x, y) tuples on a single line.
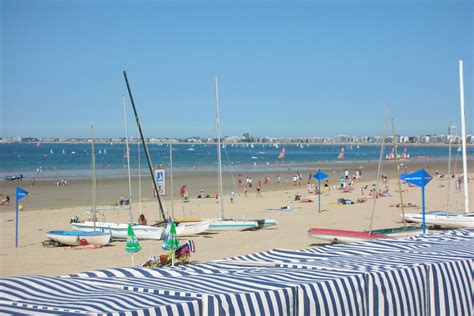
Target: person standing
[(259, 188)]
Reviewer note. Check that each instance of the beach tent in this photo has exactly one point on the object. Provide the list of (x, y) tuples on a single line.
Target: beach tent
[(431, 274)]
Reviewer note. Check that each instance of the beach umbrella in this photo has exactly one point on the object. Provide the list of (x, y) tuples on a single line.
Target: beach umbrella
[(132, 245), (170, 241)]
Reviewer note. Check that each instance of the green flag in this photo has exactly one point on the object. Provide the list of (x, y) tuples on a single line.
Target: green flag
[(132, 241)]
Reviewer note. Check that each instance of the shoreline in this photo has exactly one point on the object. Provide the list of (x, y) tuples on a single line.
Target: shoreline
[(248, 143)]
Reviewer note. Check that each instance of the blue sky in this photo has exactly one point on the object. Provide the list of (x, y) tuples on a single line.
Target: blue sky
[(286, 68)]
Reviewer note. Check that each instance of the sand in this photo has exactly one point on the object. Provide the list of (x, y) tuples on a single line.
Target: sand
[(50, 207)]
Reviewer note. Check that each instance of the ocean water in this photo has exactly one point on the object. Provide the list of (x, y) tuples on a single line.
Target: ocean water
[(74, 160)]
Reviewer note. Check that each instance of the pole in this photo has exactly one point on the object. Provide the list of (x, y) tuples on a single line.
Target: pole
[(218, 127), (378, 171), (395, 145), (423, 226), (463, 129), (171, 169), (450, 133), (147, 154), (128, 161), (16, 216), (94, 180), (139, 180), (319, 196)]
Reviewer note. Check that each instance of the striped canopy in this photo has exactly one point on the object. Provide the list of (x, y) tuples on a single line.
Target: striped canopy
[(427, 275)]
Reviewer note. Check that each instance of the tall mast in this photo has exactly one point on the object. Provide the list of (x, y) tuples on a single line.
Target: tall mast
[(378, 171), (463, 130), (219, 158), (139, 180), (94, 181), (128, 161), (171, 169), (147, 154), (395, 145), (451, 133)]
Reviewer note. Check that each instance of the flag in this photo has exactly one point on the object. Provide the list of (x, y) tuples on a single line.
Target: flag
[(20, 193), (170, 242), (132, 241)]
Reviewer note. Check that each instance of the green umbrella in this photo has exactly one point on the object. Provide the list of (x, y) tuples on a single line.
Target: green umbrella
[(170, 242), (132, 241)]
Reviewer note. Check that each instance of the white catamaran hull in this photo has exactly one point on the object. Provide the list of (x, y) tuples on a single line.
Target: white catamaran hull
[(233, 224), (119, 231), (73, 238), (444, 219), (191, 228)]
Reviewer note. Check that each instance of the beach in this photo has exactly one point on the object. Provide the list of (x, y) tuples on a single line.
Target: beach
[(50, 207)]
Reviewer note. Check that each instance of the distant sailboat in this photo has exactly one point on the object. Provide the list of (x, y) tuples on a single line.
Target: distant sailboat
[(51, 151), (63, 151), (38, 144), (341, 154), (100, 151), (105, 151)]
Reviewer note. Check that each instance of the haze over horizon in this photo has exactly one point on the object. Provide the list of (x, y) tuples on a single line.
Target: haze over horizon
[(290, 69)]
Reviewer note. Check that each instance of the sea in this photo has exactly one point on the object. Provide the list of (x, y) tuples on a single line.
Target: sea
[(57, 160)]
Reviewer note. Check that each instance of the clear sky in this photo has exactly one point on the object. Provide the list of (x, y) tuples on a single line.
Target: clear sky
[(285, 68)]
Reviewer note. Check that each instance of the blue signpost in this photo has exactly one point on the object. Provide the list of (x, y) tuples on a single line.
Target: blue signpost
[(20, 193), (319, 176), (419, 178)]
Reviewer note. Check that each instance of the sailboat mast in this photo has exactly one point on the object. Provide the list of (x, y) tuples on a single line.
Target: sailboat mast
[(395, 145), (171, 169), (147, 154), (219, 158), (94, 181), (139, 179), (451, 132), (378, 171), (128, 160), (463, 130)]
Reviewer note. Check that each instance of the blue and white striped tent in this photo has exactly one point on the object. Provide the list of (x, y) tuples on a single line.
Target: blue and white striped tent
[(428, 275), (39, 294)]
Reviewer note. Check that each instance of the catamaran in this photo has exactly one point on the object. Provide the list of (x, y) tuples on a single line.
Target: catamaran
[(348, 236), (222, 223), (446, 218), (118, 230)]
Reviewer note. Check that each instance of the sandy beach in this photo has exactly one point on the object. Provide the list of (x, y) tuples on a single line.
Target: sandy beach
[(50, 207)]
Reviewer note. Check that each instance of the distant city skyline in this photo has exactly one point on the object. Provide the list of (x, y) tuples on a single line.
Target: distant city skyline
[(295, 69)]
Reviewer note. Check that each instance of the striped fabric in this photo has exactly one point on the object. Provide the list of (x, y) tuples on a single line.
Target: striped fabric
[(67, 296), (425, 275)]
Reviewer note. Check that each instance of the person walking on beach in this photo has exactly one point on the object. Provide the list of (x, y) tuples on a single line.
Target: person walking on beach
[(278, 179), (232, 196), (259, 187), (245, 191)]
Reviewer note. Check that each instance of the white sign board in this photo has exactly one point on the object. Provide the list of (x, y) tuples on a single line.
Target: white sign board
[(160, 181)]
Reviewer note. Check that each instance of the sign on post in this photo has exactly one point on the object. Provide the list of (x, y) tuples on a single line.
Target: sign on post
[(160, 181), (419, 178), (319, 176)]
